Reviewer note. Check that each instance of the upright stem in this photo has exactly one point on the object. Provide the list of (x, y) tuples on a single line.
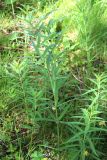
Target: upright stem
[(13, 13), (24, 94), (57, 122)]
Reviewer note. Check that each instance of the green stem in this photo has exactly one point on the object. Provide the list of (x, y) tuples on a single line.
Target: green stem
[(57, 122), (13, 13)]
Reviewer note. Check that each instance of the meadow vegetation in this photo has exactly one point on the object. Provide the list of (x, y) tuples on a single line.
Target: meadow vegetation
[(53, 80)]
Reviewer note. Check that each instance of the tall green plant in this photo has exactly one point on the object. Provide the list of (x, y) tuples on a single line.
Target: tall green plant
[(85, 126), (88, 21), (46, 48)]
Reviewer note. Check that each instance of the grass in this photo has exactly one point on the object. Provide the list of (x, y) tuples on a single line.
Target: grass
[(53, 80)]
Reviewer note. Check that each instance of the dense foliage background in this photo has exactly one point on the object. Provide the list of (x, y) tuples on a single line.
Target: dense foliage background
[(53, 80)]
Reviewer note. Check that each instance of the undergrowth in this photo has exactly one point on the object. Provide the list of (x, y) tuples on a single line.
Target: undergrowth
[(53, 80)]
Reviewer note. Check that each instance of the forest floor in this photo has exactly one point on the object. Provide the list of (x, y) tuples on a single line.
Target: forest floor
[(53, 80)]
